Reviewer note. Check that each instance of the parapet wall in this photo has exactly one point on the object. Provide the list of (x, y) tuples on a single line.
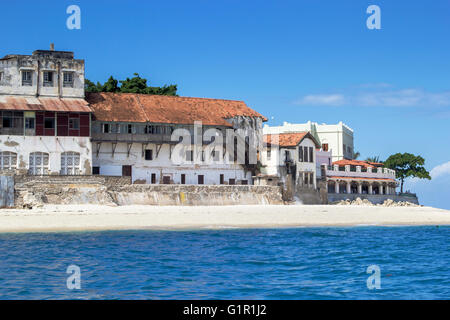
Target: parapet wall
[(35, 191)]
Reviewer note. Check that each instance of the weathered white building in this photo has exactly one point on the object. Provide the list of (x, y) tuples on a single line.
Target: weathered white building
[(44, 119), (139, 136), (291, 155), (337, 138)]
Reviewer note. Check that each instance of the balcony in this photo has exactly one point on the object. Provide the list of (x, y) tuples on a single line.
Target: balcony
[(359, 172)]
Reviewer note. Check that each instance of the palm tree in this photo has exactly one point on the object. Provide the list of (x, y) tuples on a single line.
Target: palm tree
[(373, 159), (356, 155)]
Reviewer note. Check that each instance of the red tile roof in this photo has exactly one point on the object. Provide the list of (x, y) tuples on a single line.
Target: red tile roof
[(131, 107), (287, 140), (361, 163), (43, 104)]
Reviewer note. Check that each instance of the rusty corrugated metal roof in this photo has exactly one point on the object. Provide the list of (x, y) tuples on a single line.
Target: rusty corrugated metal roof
[(131, 107), (288, 139), (43, 104)]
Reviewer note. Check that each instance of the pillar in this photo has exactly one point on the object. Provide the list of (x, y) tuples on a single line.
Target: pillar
[(336, 189), (370, 188), (349, 187), (381, 188), (359, 188)]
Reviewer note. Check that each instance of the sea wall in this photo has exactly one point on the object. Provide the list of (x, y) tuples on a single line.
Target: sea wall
[(35, 191), (374, 198)]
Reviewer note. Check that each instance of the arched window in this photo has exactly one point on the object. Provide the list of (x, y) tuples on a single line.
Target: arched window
[(8, 160), (70, 163), (38, 163)]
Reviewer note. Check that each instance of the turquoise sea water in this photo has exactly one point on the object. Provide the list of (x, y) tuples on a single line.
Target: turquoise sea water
[(305, 263)]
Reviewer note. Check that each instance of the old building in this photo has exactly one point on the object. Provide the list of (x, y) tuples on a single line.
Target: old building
[(164, 139), (44, 119), (292, 158), (334, 138)]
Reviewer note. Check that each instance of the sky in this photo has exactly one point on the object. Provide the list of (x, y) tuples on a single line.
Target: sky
[(290, 60)]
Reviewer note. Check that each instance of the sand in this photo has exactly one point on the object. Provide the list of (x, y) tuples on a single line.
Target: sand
[(95, 217)]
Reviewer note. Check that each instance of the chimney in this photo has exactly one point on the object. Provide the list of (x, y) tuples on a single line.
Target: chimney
[(52, 47)]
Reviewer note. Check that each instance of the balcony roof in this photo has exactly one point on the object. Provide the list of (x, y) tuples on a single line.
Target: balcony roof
[(19, 103)]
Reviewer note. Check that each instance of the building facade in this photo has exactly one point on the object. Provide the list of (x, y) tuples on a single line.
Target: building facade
[(44, 119), (139, 136), (335, 138), (292, 158)]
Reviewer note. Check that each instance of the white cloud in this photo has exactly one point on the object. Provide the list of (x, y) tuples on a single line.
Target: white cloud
[(379, 98), (322, 99), (440, 170)]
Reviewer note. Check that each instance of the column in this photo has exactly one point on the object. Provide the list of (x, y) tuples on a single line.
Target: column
[(349, 187), (336, 189), (381, 188), (370, 188), (359, 188)]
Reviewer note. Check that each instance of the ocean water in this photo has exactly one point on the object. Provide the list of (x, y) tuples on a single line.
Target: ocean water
[(302, 263)]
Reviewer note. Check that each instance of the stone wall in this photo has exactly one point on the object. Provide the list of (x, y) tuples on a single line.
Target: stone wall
[(374, 198), (34, 191)]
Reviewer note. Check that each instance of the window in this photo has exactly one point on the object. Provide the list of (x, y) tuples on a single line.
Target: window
[(8, 160), (70, 163), (269, 153), (222, 179), (68, 79), (202, 156), (189, 155), (129, 128), (183, 178), (300, 154), (287, 155), (38, 163), (49, 123), (244, 182), (325, 147), (201, 179), (153, 179), (148, 154), (311, 154), (306, 175), (27, 78), (305, 154), (1, 77), (232, 182), (29, 123), (74, 124), (95, 170), (166, 179), (48, 79), (106, 128)]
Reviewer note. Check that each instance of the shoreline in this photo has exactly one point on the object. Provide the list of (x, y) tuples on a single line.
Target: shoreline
[(64, 218)]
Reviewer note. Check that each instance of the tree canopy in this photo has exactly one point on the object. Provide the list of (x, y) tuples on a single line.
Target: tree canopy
[(407, 165), (134, 85)]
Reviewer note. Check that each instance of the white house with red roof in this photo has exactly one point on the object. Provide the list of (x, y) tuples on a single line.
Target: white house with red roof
[(292, 158)]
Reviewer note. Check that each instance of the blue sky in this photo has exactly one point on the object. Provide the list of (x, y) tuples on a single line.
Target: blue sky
[(290, 60)]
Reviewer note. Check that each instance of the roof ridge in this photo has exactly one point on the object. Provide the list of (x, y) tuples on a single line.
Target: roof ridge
[(173, 97)]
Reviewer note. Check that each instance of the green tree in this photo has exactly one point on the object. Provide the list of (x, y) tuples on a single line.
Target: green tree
[(407, 165), (89, 86), (373, 159), (112, 85), (134, 85)]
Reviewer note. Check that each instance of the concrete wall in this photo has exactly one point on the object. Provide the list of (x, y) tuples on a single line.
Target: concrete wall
[(54, 146), (32, 192), (375, 198)]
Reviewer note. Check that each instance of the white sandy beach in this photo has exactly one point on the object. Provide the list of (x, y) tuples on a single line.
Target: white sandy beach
[(95, 217)]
